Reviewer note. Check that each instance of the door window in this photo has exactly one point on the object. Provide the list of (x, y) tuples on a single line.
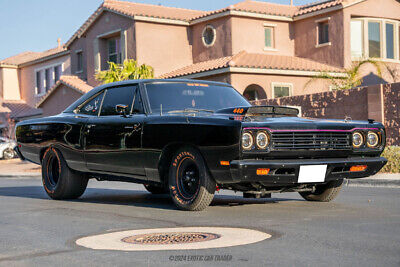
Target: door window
[(137, 105), (93, 106), (117, 96)]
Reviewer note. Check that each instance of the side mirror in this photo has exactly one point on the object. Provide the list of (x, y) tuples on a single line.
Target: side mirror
[(121, 109)]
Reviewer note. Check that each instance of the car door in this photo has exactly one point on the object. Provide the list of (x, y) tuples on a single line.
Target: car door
[(113, 140)]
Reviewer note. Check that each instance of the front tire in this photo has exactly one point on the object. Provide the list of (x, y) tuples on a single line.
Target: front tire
[(324, 193), (59, 181), (190, 183)]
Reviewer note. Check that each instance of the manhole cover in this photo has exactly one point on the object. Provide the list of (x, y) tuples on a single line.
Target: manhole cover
[(173, 239), (169, 238)]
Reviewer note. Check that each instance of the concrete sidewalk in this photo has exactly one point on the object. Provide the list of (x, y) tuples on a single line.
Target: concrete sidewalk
[(15, 168), (19, 168)]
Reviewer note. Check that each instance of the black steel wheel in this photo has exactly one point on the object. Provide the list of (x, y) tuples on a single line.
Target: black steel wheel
[(59, 181), (325, 192), (190, 184)]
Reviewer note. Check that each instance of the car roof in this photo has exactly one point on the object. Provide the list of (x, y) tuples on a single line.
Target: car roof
[(140, 81), (161, 81)]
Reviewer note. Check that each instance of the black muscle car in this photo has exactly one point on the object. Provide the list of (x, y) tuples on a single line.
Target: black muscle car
[(190, 138)]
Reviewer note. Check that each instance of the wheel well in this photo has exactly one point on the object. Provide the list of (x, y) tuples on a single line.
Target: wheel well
[(42, 152), (166, 158)]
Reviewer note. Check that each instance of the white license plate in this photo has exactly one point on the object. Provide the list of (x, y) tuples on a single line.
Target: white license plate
[(312, 173)]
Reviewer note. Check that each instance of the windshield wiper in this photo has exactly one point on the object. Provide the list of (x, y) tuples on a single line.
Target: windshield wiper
[(189, 110)]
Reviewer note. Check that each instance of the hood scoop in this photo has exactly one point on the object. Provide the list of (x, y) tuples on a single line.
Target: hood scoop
[(261, 111)]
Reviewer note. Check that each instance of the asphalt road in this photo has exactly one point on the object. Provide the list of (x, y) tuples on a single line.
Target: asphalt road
[(360, 228)]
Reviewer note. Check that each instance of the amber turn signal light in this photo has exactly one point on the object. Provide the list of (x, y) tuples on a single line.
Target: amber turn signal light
[(262, 171), (224, 163), (358, 168)]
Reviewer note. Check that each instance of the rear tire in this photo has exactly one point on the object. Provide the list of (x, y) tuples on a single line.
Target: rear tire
[(156, 190), (59, 181), (190, 183), (324, 193)]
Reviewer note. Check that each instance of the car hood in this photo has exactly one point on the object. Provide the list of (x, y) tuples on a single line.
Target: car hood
[(296, 123)]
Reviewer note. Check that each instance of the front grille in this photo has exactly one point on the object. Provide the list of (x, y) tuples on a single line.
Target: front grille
[(310, 141)]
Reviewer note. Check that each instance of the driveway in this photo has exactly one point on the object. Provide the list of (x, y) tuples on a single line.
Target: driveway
[(360, 228)]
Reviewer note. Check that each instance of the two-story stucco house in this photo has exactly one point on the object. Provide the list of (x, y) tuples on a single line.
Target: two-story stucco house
[(264, 50), (25, 79)]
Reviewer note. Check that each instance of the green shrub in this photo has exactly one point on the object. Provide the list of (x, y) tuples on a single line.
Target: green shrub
[(392, 153)]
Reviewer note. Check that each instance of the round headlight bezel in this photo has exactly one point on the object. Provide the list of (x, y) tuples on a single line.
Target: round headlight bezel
[(377, 140), (266, 138), (249, 147), (362, 139)]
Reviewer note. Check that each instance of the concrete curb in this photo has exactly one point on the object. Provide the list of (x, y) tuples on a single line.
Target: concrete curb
[(370, 182), (20, 175)]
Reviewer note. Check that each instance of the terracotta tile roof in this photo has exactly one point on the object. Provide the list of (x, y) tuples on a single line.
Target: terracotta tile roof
[(257, 7), (29, 56), (200, 67), (137, 9), (316, 6), (257, 61), (20, 109), (73, 82)]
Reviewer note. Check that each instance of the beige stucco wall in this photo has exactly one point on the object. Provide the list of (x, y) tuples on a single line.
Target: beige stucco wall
[(223, 42), (248, 34), (306, 39), (28, 77), (106, 22), (59, 100), (241, 81), (164, 47), (10, 84)]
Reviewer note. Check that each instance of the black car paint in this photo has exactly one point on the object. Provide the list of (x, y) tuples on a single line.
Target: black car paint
[(92, 144)]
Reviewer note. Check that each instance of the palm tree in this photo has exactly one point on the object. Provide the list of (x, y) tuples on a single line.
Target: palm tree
[(129, 70), (352, 77)]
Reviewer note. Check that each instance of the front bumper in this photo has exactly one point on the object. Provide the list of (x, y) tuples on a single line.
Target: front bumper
[(286, 172)]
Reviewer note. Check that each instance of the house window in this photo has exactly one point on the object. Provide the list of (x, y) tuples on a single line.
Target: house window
[(390, 40), (79, 61), (374, 39), (281, 89), (323, 32), (356, 38), (48, 77), (209, 36), (39, 83), (269, 37), (57, 72), (114, 52)]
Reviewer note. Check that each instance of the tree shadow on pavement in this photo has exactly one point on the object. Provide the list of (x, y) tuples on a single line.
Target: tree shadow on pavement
[(132, 197)]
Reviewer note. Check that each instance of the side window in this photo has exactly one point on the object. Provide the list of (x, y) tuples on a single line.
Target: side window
[(114, 96), (93, 106), (137, 105)]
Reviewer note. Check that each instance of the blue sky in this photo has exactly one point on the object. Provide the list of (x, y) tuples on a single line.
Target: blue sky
[(35, 25)]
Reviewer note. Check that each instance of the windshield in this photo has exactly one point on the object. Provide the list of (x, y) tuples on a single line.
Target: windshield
[(192, 96)]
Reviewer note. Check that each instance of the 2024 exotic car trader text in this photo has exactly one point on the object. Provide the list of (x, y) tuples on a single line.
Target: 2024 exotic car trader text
[(189, 138)]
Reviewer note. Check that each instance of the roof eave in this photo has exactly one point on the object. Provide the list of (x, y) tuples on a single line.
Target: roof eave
[(42, 59)]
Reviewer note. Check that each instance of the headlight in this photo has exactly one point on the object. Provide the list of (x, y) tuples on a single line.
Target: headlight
[(372, 139), (262, 140), (358, 139), (247, 141)]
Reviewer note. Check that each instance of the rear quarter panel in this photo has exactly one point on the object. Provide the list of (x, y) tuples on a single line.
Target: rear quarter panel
[(62, 132)]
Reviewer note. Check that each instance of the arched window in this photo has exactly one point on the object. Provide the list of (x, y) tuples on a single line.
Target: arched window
[(254, 92)]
